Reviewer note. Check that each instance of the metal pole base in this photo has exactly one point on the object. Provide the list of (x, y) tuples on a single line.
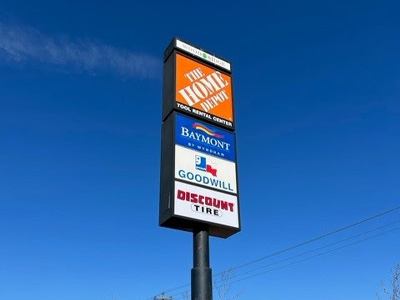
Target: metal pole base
[(201, 272), (201, 284)]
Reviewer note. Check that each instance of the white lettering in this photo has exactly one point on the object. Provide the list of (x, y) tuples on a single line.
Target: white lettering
[(189, 96)]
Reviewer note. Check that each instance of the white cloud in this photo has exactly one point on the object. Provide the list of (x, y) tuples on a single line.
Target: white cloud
[(23, 44)]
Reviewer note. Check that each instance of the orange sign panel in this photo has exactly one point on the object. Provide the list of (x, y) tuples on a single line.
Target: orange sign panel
[(203, 88)]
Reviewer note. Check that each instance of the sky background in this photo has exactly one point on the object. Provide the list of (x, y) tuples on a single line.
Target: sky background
[(317, 86)]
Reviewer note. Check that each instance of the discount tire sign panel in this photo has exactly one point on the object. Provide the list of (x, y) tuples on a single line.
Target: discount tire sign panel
[(206, 170), (206, 205)]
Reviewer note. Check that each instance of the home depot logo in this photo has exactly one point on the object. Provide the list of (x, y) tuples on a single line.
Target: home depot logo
[(203, 88)]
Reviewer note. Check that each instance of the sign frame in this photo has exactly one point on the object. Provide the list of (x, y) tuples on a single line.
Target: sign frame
[(167, 217)]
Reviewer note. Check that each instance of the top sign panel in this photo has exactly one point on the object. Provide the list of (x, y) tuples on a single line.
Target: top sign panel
[(203, 55), (203, 91)]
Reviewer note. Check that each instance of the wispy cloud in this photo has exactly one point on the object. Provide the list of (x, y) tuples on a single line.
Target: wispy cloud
[(21, 44)]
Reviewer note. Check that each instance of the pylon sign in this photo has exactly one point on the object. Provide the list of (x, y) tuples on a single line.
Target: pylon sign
[(199, 183)]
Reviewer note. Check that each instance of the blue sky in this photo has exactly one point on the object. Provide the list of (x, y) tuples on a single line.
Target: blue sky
[(318, 126)]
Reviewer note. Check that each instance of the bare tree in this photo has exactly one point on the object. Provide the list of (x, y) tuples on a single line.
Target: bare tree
[(396, 283), (185, 295), (223, 286), (393, 293)]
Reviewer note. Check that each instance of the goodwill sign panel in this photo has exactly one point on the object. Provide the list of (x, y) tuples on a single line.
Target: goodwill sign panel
[(206, 170)]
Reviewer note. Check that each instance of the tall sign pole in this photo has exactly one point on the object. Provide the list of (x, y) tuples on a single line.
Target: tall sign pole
[(201, 272), (199, 188)]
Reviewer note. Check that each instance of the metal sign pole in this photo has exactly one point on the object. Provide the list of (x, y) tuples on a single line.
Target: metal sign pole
[(201, 272)]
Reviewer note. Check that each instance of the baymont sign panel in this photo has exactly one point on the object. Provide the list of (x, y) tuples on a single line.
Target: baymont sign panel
[(205, 138)]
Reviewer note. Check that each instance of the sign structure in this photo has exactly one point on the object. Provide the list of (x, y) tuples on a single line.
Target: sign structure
[(199, 184), (199, 84)]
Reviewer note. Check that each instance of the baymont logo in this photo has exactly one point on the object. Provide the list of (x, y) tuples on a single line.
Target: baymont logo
[(200, 137), (204, 137), (207, 130)]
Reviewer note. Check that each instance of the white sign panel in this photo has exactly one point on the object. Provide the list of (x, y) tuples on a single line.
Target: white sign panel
[(203, 55), (204, 169), (206, 205)]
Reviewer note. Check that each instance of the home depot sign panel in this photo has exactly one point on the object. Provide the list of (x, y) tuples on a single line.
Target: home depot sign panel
[(202, 85), (203, 90)]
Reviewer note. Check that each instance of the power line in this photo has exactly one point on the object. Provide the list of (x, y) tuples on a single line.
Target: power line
[(298, 245), (252, 274), (317, 238), (319, 254), (318, 249)]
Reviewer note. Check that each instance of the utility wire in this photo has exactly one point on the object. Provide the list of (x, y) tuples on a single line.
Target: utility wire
[(298, 245), (317, 238), (315, 249), (319, 254), (302, 260)]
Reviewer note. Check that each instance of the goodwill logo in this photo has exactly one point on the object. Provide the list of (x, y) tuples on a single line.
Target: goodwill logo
[(205, 138), (201, 164)]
